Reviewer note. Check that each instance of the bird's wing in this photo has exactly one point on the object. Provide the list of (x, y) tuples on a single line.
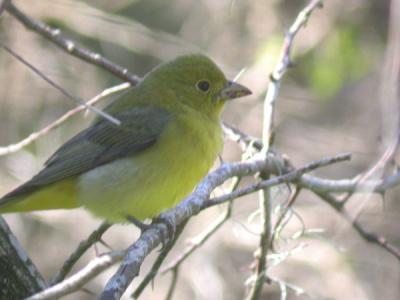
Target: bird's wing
[(99, 144)]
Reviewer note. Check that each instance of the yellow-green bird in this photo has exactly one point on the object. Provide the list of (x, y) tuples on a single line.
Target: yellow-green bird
[(169, 136)]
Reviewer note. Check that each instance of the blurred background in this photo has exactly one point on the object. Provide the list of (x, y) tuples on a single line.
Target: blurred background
[(330, 102)]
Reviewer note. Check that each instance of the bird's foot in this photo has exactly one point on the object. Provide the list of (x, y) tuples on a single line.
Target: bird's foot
[(139, 224), (168, 236)]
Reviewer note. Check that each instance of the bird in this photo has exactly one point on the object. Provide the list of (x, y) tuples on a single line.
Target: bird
[(168, 139)]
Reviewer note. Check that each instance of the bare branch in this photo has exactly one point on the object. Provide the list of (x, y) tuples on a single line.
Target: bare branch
[(260, 254), (291, 176), (54, 36), (172, 286), (267, 138), (240, 137), (154, 236), (276, 231), (282, 66), (348, 185), (284, 286)]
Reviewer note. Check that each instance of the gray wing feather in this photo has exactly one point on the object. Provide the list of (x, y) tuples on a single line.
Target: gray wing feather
[(99, 144)]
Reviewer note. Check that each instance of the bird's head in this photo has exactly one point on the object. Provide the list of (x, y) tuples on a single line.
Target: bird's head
[(196, 82)]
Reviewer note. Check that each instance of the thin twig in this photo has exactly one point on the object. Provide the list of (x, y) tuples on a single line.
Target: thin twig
[(54, 36), (260, 273), (267, 138), (172, 286), (93, 238), (63, 91), (276, 231), (280, 69), (365, 234), (316, 183), (36, 135), (240, 137), (323, 185), (374, 238), (284, 286), (291, 176)]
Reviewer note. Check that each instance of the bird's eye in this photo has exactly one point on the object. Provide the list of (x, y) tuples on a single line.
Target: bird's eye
[(203, 85)]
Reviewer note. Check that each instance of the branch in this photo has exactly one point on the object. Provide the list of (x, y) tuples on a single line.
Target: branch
[(279, 223), (282, 66), (291, 176), (54, 36), (172, 286), (151, 238), (263, 245), (314, 183), (322, 185), (243, 139), (267, 138), (284, 286)]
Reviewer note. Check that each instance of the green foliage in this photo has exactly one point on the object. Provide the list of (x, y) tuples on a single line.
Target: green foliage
[(340, 60)]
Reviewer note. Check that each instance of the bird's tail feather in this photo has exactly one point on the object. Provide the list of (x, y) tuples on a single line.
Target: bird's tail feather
[(58, 195)]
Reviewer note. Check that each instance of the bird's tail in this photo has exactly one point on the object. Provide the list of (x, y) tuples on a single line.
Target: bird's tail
[(58, 195)]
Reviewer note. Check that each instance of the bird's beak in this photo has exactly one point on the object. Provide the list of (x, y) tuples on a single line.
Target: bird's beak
[(233, 90)]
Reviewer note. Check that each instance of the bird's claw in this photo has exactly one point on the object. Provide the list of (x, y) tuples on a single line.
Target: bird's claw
[(139, 224), (169, 233)]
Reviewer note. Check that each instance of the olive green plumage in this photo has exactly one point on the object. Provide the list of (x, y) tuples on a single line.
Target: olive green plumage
[(169, 136)]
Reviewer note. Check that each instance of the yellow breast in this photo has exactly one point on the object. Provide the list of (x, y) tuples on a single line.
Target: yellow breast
[(157, 178)]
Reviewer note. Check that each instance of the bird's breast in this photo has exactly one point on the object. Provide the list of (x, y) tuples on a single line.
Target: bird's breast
[(158, 177)]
